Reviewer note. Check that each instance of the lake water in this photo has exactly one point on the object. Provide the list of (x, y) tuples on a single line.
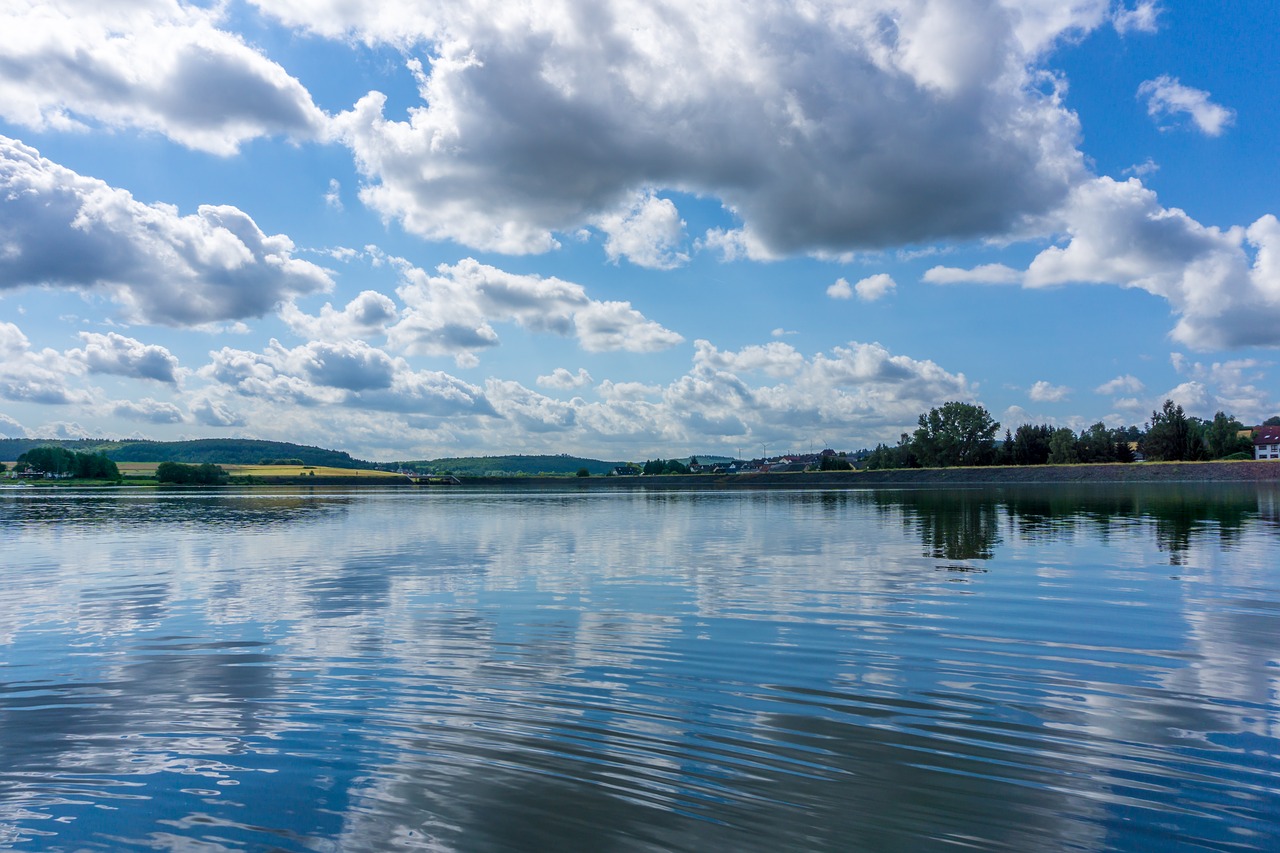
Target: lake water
[(363, 670)]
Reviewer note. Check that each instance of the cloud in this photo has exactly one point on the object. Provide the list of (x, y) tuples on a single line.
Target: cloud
[(1234, 386), (148, 410), (58, 228), (564, 380), (1141, 18), (158, 65), (62, 430), (616, 326), (367, 315), (333, 196), (860, 393), (1141, 170), (1045, 392), (648, 231), (1126, 384), (840, 290), (116, 354), (774, 359), (28, 376), (9, 428), (351, 374), (451, 313), (874, 287), (984, 274), (1165, 96), (1118, 233), (821, 128), (212, 413)]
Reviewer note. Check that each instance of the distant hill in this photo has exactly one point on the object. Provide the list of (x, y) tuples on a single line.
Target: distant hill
[(509, 466), (227, 451)]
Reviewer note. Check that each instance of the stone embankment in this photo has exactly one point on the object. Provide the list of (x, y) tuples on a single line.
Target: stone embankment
[(1148, 472)]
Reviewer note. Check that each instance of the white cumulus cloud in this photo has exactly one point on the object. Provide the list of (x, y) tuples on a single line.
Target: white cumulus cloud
[(62, 229), (822, 127), (875, 287), (648, 232), (1166, 96), (452, 312), (1047, 392), (1224, 284), (841, 289), (562, 379), (154, 65), (1126, 384), (123, 356)]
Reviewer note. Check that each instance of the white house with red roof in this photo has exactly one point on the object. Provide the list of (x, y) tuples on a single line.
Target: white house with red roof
[(1266, 442)]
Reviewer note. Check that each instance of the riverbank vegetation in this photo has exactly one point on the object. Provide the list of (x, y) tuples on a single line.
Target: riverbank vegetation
[(60, 463), (964, 435)]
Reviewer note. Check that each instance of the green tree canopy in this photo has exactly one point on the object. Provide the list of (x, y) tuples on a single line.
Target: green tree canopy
[(1062, 447), (955, 434), (59, 460), (1222, 437), (206, 474), (1172, 436)]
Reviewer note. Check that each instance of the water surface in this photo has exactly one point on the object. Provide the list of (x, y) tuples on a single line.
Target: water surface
[(1068, 669)]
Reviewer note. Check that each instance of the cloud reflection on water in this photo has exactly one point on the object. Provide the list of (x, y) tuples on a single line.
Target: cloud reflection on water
[(674, 671)]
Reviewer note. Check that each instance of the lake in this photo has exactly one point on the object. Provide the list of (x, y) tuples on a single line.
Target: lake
[(367, 670)]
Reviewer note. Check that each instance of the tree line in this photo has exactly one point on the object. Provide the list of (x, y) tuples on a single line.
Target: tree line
[(61, 462), (962, 434)]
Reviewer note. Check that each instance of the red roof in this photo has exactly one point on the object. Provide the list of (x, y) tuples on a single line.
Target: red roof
[(1267, 435)]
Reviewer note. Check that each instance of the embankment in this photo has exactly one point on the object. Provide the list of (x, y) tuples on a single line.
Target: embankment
[(1148, 472)]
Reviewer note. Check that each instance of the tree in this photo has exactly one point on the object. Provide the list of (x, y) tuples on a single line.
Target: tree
[(58, 460), (583, 472), (1172, 436), (902, 455), (955, 434), (1062, 447), (1096, 444), (1275, 421), (207, 474), (834, 463), (1222, 437), (49, 459), (1030, 445)]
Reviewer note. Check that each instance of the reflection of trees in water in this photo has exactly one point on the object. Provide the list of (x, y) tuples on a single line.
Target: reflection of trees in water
[(1179, 514), (952, 525), (133, 509), (965, 524)]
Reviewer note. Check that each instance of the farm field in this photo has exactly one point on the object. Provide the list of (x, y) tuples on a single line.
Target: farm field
[(148, 469), (305, 471)]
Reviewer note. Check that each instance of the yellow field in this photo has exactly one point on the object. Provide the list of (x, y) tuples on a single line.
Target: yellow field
[(148, 469), (302, 471)]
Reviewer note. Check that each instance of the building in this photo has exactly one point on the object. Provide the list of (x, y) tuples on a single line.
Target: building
[(1266, 442)]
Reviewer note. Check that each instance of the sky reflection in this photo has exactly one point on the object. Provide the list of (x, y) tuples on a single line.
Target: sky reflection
[(854, 670)]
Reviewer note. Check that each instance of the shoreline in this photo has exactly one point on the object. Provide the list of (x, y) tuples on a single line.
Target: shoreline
[(1244, 471)]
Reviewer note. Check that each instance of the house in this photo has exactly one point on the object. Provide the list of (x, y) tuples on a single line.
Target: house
[(1266, 442)]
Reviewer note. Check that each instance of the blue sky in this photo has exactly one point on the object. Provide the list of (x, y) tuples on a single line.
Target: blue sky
[(629, 229)]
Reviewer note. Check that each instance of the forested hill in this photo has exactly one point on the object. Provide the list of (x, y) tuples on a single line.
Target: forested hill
[(225, 451), (508, 466)]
